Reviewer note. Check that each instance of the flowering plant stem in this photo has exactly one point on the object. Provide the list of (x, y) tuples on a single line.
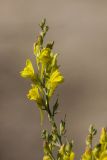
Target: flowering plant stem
[(43, 85)]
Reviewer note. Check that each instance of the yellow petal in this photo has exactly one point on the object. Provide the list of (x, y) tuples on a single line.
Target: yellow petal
[(103, 137), (46, 157), (28, 71), (45, 56), (34, 94), (55, 79), (103, 155), (72, 155)]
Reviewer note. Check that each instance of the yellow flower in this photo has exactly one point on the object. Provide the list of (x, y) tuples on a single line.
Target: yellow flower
[(103, 155), (46, 157), (105, 158), (52, 66), (66, 157), (55, 79), (87, 155), (45, 56), (72, 155), (69, 157), (97, 150), (103, 137), (34, 94), (28, 71)]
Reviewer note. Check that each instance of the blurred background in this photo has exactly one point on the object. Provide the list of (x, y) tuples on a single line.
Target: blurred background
[(79, 29)]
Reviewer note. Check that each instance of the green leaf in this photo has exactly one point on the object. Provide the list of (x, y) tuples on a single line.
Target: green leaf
[(55, 107)]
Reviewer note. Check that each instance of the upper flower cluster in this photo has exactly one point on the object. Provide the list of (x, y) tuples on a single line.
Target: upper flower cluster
[(48, 77)]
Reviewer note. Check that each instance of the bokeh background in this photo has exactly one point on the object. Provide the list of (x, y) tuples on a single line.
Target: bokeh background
[(79, 29)]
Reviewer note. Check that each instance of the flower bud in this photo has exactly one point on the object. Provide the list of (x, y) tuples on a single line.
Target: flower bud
[(46, 148), (62, 127), (68, 147), (62, 149), (54, 137), (45, 135), (42, 24)]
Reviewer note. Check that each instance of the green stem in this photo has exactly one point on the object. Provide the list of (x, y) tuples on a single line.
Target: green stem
[(52, 120)]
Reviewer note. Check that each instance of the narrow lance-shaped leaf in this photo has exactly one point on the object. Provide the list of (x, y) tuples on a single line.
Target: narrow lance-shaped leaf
[(55, 107)]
